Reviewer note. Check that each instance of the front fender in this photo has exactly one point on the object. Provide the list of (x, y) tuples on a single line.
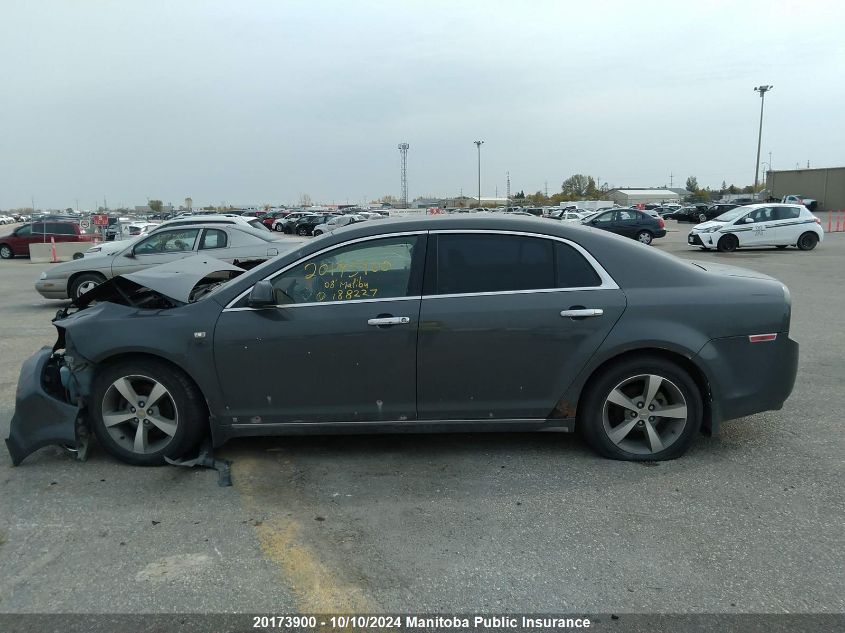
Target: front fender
[(40, 418)]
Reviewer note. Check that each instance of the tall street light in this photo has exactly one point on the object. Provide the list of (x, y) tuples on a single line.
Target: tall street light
[(762, 90), (478, 145)]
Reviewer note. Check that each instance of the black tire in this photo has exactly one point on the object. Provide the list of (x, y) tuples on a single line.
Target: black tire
[(6, 252), (83, 283), (279, 228), (302, 231), (645, 237), (317, 232), (727, 244), (184, 398), (702, 217), (592, 426), (808, 241)]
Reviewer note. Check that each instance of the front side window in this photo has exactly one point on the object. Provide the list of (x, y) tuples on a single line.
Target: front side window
[(605, 217), (174, 241), (25, 230), (213, 238), (472, 263), (375, 269), (762, 215)]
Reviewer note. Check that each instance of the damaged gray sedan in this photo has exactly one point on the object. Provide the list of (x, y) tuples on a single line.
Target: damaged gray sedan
[(462, 323)]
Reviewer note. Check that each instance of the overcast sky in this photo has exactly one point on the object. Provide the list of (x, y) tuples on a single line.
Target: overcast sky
[(254, 102)]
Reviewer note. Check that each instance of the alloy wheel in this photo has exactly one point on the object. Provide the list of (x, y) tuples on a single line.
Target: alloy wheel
[(644, 414), (644, 237), (84, 287), (140, 414)]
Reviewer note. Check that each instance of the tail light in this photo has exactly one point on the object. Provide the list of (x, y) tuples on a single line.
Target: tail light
[(661, 222)]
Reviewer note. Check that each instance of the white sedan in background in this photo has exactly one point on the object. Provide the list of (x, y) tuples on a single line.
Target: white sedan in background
[(772, 224)]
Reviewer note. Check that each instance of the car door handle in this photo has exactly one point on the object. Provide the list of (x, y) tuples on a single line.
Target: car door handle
[(389, 321), (581, 313)]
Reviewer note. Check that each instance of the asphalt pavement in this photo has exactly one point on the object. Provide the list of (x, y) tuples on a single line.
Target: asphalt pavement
[(748, 521)]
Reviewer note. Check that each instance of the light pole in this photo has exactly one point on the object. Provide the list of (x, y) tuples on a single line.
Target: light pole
[(762, 90), (478, 145)]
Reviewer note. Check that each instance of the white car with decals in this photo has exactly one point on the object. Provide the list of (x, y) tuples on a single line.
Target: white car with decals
[(771, 224)]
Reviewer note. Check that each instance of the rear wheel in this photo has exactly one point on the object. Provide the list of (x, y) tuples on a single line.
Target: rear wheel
[(302, 231), (645, 237), (808, 241), (727, 244), (143, 410), (278, 228), (83, 283), (641, 409), (6, 251)]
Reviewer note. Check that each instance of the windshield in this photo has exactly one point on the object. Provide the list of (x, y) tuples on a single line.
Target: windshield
[(258, 224), (733, 214)]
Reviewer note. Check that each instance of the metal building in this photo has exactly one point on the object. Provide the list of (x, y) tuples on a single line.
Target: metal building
[(632, 197), (826, 185)]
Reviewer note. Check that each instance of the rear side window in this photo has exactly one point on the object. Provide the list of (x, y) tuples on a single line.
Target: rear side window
[(469, 263), (213, 238), (573, 270), (787, 213)]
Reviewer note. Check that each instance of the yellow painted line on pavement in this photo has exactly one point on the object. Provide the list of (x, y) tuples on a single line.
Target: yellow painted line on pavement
[(315, 585)]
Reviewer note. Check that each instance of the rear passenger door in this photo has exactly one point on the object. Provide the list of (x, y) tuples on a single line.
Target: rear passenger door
[(497, 339)]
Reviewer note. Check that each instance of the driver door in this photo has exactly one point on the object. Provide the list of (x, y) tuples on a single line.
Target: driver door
[(340, 345), (761, 229), (161, 247)]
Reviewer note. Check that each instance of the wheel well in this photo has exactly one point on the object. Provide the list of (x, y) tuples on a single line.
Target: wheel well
[(673, 357), (119, 358)]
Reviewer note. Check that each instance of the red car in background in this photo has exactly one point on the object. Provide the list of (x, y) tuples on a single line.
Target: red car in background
[(17, 242), (268, 218)]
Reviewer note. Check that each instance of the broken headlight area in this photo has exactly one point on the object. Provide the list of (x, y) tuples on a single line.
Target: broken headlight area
[(49, 405)]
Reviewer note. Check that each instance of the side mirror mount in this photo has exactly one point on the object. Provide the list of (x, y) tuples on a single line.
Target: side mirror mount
[(262, 295)]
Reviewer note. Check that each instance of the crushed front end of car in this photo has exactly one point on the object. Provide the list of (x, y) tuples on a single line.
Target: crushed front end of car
[(50, 403), (54, 383)]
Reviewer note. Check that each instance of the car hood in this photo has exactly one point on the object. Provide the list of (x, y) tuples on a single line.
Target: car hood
[(707, 225), (110, 248), (175, 281)]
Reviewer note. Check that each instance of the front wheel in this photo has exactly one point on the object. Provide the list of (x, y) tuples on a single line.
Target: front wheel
[(278, 228), (808, 241), (317, 232), (645, 237), (702, 218), (144, 410), (83, 283), (727, 244), (641, 409), (302, 231), (6, 251)]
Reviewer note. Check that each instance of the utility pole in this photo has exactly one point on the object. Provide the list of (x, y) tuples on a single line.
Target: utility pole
[(403, 156), (671, 180), (546, 185), (478, 145), (509, 188), (762, 90)]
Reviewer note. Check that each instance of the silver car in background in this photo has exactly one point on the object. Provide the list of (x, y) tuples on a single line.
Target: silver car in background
[(234, 242)]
